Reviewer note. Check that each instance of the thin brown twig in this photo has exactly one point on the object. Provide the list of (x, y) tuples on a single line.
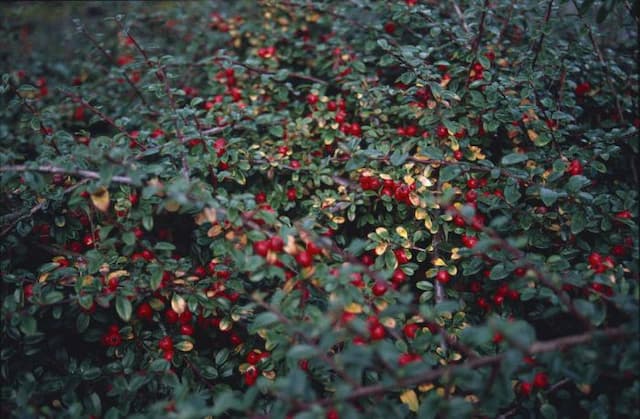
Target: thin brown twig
[(456, 7), (88, 174), (112, 60), (161, 76), (538, 47), (79, 99)]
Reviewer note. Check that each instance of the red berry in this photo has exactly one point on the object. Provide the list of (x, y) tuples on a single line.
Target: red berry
[(519, 272), (459, 221), (618, 250), (472, 183), (185, 317), (171, 316), (332, 414), (168, 355), (200, 271), (261, 247), (390, 28), (312, 99), (304, 259), (377, 332), (575, 168), (583, 88), (410, 330), (292, 194), (276, 243), (401, 256), (540, 380), (525, 388), (442, 132), (594, 259), (626, 214), (250, 376), (379, 288), (407, 358), (443, 277), (166, 343), (144, 311), (253, 358), (187, 329), (398, 277)]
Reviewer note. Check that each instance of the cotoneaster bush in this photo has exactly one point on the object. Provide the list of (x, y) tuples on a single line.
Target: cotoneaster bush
[(322, 210)]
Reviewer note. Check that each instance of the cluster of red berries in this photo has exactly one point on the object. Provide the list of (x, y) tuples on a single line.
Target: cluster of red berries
[(540, 382), (398, 190), (253, 359), (477, 72), (600, 264), (112, 338), (267, 52)]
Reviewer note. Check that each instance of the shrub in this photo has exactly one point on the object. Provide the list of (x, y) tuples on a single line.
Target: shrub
[(301, 209)]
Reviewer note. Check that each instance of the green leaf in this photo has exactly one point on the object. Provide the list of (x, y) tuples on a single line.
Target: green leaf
[(28, 325), (576, 183), (91, 374), (499, 272), (164, 246), (514, 158), (301, 351), (448, 173), (123, 308), (53, 297), (147, 222), (82, 322), (548, 196), (548, 411), (398, 158), (578, 222), (263, 320)]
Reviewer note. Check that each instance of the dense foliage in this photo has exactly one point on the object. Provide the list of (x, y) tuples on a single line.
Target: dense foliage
[(321, 209)]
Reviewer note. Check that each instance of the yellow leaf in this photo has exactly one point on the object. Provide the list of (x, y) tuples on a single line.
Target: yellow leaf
[(117, 274), (100, 199), (402, 232), (171, 206), (353, 308), (421, 213), (184, 346), (178, 304), (380, 231), (584, 388), (439, 262), (532, 134), (214, 231), (414, 199), (410, 398), (225, 324), (338, 220), (426, 387), (428, 223)]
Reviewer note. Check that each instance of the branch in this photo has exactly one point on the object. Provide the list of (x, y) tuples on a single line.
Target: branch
[(37, 208), (113, 61), (87, 174), (538, 47), (558, 344)]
